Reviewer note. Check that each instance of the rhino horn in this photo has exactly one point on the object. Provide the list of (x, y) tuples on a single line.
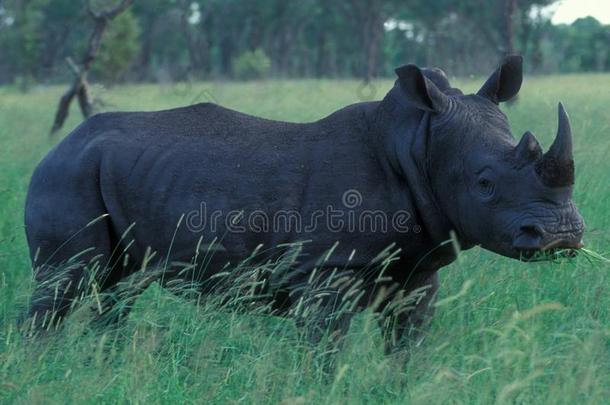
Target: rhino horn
[(528, 148), (561, 149), (556, 168)]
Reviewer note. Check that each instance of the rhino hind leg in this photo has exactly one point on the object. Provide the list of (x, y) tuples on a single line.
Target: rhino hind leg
[(119, 290), (68, 265)]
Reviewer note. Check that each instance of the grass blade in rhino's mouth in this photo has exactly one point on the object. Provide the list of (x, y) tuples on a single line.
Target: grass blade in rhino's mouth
[(564, 253), (550, 255), (593, 256)]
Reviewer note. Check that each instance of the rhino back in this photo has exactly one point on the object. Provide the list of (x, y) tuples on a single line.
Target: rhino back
[(158, 167)]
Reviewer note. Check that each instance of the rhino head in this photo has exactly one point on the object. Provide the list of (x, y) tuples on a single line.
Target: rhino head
[(503, 194)]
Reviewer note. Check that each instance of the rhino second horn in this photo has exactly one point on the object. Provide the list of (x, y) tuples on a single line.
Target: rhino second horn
[(528, 148), (561, 149)]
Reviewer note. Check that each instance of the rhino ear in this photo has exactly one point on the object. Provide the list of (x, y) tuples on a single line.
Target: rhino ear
[(505, 82), (420, 91)]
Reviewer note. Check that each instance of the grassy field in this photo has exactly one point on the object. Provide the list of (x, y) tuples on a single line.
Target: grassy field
[(510, 332)]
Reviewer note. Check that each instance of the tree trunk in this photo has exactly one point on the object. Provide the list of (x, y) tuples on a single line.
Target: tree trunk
[(372, 43), (321, 54), (368, 18), (144, 58), (508, 23), (80, 87), (198, 47)]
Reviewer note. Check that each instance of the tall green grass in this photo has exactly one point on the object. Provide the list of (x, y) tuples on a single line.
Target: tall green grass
[(504, 331)]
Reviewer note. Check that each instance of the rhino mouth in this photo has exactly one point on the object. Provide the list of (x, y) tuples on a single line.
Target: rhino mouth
[(556, 249)]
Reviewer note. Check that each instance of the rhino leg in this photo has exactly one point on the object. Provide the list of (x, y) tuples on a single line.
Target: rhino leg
[(119, 292), (323, 318), (61, 279), (70, 240), (401, 327)]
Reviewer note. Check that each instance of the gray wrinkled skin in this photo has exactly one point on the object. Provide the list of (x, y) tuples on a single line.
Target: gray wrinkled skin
[(447, 159)]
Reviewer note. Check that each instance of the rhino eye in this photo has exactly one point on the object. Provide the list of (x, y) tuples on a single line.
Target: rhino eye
[(486, 186)]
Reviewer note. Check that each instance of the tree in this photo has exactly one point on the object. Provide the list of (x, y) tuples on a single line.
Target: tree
[(80, 88), (62, 18), (183, 39), (151, 15), (508, 13), (368, 17), (20, 40), (582, 46), (119, 48)]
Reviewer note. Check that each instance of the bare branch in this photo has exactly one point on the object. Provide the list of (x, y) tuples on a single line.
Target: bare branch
[(75, 69), (110, 13), (80, 87), (122, 6)]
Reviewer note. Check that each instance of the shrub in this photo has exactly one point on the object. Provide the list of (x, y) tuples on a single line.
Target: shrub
[(251, 65), (119, 48)]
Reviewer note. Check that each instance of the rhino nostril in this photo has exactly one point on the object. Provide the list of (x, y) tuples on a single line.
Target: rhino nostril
[(531, 230), (528, 238)]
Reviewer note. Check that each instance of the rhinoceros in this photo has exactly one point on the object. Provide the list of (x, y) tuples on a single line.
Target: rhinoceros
[(425, 165)]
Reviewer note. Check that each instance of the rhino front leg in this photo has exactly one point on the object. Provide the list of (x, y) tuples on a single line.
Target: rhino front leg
[(324, 333), (404, 316), (323, 318)]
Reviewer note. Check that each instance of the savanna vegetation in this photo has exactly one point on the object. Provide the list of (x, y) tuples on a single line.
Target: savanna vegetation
[(169, 40), (504, 332)]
